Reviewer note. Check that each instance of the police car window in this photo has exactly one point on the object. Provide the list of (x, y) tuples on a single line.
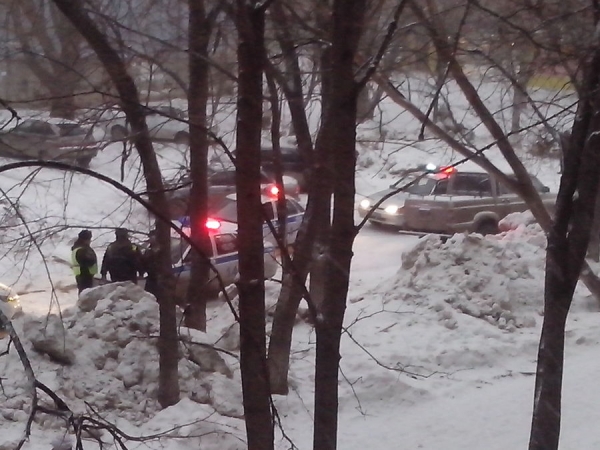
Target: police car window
[(423, 186), (264, 178), (472, 184), (226, 243), (292, 207), (537, 184), (178, 247), (441, 187), (268, 211), (227, 210)]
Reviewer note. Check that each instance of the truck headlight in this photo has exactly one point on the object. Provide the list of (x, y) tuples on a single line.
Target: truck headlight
[(365, 204), (392, 209)]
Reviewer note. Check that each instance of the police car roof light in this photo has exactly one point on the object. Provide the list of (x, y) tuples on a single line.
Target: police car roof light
[(273, 190), (213, 224)]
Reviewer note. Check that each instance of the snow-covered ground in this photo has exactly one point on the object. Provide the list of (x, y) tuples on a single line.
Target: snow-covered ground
[(439, 350)]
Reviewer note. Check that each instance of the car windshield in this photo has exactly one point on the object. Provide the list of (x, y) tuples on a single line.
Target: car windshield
[(422, 186), (225, 209), (71, 129), (167, 111)]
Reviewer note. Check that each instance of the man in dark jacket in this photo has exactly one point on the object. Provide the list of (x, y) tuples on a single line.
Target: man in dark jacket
[(149, 259), (122, 259), (84, 261)]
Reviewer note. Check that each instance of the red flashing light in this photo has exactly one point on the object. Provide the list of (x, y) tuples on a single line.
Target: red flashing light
[(213, 224), (273, 190), (445, 172)]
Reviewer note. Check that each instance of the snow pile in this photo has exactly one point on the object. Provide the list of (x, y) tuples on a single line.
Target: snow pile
[(103, 352), (497, 279)]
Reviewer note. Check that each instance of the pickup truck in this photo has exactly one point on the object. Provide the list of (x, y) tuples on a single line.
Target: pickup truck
[(448, 201)]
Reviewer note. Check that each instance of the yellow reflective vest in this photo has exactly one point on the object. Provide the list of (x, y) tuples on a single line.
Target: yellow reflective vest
[(75, 264)]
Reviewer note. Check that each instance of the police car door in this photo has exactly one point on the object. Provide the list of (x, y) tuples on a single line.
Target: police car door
[(295, 213), (226, 259)]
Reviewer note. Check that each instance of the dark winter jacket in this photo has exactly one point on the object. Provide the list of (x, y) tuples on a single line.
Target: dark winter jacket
[(122, 261)]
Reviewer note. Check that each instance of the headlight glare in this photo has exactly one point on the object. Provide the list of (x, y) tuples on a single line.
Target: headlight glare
[(391, 209), (365, 204)]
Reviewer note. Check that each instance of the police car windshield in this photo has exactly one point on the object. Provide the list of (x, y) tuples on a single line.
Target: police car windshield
[(226, 210), (422, 186)]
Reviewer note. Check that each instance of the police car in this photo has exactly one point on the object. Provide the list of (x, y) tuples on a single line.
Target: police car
[(223, 256), (226, 211)]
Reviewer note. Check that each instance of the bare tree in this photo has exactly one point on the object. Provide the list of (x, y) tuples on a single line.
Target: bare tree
[(200, 25), (250, 22), (130, 102), (567, 246)]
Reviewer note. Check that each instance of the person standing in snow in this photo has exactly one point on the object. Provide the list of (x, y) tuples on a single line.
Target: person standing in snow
[(149, 258), (122, 259), (83, 261)]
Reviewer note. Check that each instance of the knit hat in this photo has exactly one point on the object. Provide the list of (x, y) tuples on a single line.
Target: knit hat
[(85, 235)]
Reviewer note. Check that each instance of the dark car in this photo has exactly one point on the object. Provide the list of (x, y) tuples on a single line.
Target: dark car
[(50, 139)]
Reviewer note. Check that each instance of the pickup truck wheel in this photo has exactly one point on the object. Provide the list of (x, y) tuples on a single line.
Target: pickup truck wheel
[(118, 133), (182, 138), (487, 227)]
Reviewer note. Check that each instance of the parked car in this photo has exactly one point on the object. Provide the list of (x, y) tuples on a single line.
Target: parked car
[(224, 257), (447, 201), (226, 211), (221, 184), (50, 139), (165, 123), (292, 164)]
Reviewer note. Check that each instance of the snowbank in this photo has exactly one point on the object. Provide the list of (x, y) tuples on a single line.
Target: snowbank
[(103, 352)]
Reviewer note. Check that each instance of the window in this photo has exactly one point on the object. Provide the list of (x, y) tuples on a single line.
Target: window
[(537, 184), (441, 188), (473, 184), (71, 129), (39, 127), (35, 126), (226, 243), (268, 212), (223, 179), (227, 210), (421, 186), (178, 248), (293, 207)]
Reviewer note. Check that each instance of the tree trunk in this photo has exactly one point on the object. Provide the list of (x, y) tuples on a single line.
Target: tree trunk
[(198, 92), (594, 246), (568, 241), (339, 128), (291, 86), (168, 347), (315, 219), (251, 288)]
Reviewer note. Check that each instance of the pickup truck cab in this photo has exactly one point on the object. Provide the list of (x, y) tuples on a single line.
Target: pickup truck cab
[(448, 201)]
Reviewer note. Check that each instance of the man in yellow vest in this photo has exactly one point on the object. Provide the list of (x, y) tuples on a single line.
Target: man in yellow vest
[(84, 261)]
